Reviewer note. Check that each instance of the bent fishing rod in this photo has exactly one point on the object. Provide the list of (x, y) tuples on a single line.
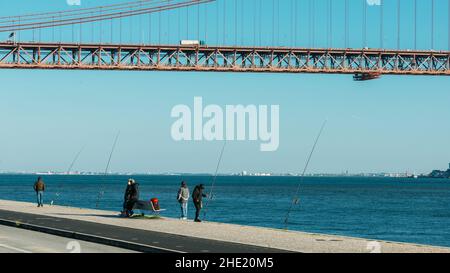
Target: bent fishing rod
[(210, 195), (68, 172), (101, 191), (296, 200)]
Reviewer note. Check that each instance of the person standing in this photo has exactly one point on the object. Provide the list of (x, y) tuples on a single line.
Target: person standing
[(39, 188), (197, 197), (133, 197), (126, 197), (183, 197)]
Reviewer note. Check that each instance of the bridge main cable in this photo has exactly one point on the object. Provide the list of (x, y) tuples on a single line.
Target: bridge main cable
[(101, 16)]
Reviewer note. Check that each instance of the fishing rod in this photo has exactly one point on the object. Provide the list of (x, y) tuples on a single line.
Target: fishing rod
[(101, 192), (296, 200), (210, 196), (68, 172)]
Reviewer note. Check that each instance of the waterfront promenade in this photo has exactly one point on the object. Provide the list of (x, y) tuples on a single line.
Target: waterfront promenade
[(173, 235)]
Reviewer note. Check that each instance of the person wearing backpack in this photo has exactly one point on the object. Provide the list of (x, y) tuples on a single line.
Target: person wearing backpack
[(197, 197), (132, 196)]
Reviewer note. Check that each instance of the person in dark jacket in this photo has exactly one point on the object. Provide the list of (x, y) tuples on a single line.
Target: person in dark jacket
[(197, 197), (39, 188), (126, 197), (131, 197)]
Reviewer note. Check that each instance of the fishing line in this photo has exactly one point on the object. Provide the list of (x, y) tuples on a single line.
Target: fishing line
[(101, 192), (60, 188), (210, 196), (295, 200)]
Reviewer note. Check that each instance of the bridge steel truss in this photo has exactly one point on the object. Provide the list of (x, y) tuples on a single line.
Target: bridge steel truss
[(224, 59)]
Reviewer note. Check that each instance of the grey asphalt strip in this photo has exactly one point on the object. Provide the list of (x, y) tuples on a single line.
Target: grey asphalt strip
[(128, 238)]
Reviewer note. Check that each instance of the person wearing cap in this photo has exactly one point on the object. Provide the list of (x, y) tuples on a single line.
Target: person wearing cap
[(131, 196), (126, 197), (183, 197), (197, 196)]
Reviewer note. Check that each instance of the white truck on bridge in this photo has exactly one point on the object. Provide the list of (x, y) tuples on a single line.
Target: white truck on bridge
[(191, 43)]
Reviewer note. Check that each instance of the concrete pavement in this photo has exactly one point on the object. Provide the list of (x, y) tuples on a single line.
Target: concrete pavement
[(134, 239), (204, 237), (15, 240)]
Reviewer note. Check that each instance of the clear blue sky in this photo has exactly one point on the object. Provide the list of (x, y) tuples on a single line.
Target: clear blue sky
[(392, 124)]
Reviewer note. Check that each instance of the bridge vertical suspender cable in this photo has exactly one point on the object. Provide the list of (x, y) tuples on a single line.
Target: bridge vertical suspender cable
[(292, 24), (130, 25), (432, 24), (217, 23), (150, 27), (254, 21), (236, 22), (295, 22), (112, 30), (141, 39), (399, 8), (382, 24), (60, 29), (364, 25), (19, 31), (187, 22), (415, 24), (278, 22), (328, 22), (242, 23), (120, 30), (224, 21), (168, 23), (260, 22), (149, 31), (81, 32), (159, 27), (101, 26), (198, 23), (346, 23), (53, 30), (73, 33), (92, 30), (331, 23), (179, 25), (206, 23), (273, 22), (314, 23), (310, 23)]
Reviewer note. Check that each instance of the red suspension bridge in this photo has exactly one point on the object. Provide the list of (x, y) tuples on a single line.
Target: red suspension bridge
[(43, 50)]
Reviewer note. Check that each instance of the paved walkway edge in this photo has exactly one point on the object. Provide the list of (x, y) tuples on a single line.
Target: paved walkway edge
[(209, 233), (88, 237)]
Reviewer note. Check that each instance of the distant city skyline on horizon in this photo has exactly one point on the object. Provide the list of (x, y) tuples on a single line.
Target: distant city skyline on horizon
[(393, 124), (237, 173)]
